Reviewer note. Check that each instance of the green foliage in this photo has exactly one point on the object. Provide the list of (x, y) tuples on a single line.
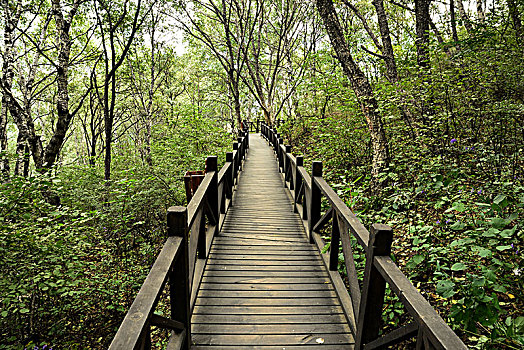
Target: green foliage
[(453, 192), (71, 271)]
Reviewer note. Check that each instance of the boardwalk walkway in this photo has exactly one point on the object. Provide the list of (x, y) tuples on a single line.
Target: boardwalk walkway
[(264, 285)]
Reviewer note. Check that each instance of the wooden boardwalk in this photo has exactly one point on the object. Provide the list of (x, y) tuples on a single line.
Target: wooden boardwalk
[(264, 285), (243, 271)]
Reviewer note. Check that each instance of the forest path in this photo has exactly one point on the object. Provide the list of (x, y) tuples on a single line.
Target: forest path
[(265, 286)]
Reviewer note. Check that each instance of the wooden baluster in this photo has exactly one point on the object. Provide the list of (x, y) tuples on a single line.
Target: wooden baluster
[(298, 181), (179, 290), (228, 186), (212, 199), (335, 243), (144, 342), (235, 164), (240, 151), (287, 167), (374, 287), (280, 155), (315, 198)]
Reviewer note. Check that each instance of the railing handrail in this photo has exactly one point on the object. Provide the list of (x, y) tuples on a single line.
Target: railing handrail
[(364, 312), (182, 259)]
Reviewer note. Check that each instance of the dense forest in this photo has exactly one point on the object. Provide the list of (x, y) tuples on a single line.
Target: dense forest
[(415, 107)]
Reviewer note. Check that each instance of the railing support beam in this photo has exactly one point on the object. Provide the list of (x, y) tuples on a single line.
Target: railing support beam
[(179, 289), (370, 310), (315, 198)]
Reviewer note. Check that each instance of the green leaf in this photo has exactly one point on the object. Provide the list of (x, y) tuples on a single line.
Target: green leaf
[(457, 226), (503, 247), (499, 223), (24, 311), (417, 259), (458, 267), (445, 288), (458, 206), (485, 253), (499, 198), (508, 232)]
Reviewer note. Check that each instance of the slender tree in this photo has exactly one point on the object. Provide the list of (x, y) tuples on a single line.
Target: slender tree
[(361, 87)]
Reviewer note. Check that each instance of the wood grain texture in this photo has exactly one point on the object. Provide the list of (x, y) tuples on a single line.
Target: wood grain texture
[(265, 286)]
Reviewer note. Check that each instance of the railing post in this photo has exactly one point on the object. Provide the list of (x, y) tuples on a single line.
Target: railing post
[(280, 154), (258, 126), (212, 198), (298, 181), (179, 289), (314, 205), (374, 287), (240, 141), (235, 163), (229, 177), (335, 243), (287, 167)]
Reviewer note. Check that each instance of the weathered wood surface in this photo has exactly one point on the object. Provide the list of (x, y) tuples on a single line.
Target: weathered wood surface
[(264, 285)]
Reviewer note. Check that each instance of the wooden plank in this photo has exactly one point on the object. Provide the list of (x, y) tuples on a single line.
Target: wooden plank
[(270, 319), (232, 243), (264, 310), (264, 268), (328, 293), (264, 273), (271, 339), (265, 262), (270, 280), (259, 249), (274, 347), (264, 237), (269, 302), (268, 256), (267, 286), (281, 329)]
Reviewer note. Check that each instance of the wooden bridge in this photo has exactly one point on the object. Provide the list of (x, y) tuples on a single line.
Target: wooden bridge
[(248, 269)]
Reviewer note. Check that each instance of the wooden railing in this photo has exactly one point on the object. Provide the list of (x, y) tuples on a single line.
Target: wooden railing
[(182, 260), (255, 125), (363, 307)]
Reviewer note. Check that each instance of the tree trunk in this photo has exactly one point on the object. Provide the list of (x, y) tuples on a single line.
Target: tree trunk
[(362, 88), (464, 16), (422, 31), (4, 160), (62, 104), (147, 142), (387, 46), (453, 20), (236, 99), (517, 24), (481, 13), (21, 149)]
